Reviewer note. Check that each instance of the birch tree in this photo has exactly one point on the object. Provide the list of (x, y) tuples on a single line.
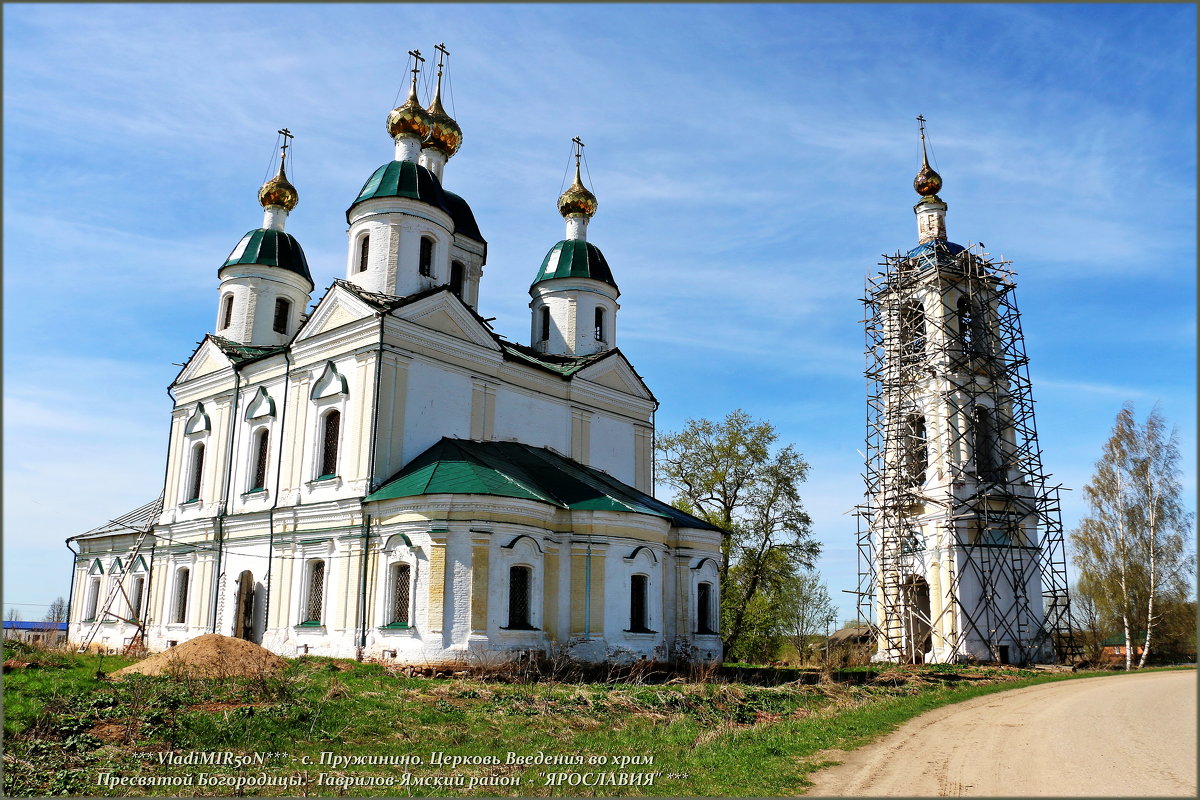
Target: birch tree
[(1130, 548)]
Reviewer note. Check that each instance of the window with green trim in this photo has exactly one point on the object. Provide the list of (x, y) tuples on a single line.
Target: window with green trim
[(401, 594), (93, 599), (182, 578), (314, 593), (261, 447), (331, 427)]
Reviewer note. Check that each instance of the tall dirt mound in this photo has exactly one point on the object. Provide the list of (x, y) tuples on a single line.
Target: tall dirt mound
[(209, 656)]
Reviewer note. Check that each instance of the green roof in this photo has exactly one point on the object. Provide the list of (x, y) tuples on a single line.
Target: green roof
[(512, 469), (411, 180), (239, 353), (575, 258), (270, 248)]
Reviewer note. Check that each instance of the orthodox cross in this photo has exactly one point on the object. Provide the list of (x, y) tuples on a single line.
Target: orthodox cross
[(286, 134), (921, 124), (578, 149), (416, 54), (442, 54)]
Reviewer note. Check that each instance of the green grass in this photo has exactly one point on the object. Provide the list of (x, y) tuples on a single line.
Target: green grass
[(64, 727)]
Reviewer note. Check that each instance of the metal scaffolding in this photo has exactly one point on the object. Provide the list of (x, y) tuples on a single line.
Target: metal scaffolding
[(960, 540)]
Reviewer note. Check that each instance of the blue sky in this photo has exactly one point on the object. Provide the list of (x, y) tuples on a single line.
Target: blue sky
[(752, 163)]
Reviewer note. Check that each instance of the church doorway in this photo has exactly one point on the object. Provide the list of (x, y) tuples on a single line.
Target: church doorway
[(918, 632), (243, 621)]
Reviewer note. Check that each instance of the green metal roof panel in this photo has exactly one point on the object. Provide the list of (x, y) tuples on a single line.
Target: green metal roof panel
[(238, 353), (575, 258), (403, 179), (270, 248), (512, 469)]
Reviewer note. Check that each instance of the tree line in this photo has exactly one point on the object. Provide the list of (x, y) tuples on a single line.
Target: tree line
[(1131, 550)]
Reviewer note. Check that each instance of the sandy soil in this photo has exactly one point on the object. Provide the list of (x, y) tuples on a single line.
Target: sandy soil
[(1114, 736), (209, 656)]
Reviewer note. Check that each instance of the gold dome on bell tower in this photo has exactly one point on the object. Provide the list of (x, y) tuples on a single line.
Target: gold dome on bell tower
[(278, 191), (411, 119), (927, 183)]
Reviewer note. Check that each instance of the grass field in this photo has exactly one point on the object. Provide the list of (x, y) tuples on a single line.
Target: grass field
[(67, 726)]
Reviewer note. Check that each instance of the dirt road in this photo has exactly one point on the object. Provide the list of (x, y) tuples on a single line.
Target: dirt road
[(1115, 736)]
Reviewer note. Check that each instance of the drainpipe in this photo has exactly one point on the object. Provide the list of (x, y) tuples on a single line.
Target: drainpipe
[(219, 523), (366, 525), (366, 541), (71, 589), (587, 592), (287, 380)]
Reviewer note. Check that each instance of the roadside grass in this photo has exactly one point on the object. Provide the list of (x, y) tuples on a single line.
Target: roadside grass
[(64, 728)]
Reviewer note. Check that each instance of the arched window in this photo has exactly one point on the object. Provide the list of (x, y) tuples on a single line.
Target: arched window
[(314, 593), (226, 311), (519, 586), (986, 460), (638, 617), (364, 245), (972, 327), (545, 337), (261, 446), (599, 324), (136, 592), (283, 310), (196, 476), (93, 600), (401, 593), (457, 271), (704, 615), (179, 612), (425, 266), (916, 450), (912, 329), (331, 427)]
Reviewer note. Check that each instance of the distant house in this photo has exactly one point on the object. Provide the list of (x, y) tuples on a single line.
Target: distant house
[(1113, 648), (854, 643), (47, 634)]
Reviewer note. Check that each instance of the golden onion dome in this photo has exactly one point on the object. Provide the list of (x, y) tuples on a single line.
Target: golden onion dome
[(410, 119), (577, 201), (446, 135), (279, 191), (927, 183)]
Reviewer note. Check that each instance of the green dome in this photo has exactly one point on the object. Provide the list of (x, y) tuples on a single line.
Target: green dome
[(270, 248), (575, 258), (408, 179)]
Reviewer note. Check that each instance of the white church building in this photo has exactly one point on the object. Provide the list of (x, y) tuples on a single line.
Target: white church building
[(385, 476)]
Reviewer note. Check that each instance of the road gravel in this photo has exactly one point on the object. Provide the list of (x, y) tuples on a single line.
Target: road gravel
[(1112, 736)]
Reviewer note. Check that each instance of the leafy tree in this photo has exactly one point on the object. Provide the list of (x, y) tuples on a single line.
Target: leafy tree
[(726, 474), (57, 611), (1131, 548)]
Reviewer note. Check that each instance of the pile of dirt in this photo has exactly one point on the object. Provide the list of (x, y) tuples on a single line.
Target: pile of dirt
[(209, 656)]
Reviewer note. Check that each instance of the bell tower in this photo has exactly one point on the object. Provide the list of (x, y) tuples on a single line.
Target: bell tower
[(960, 540)]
